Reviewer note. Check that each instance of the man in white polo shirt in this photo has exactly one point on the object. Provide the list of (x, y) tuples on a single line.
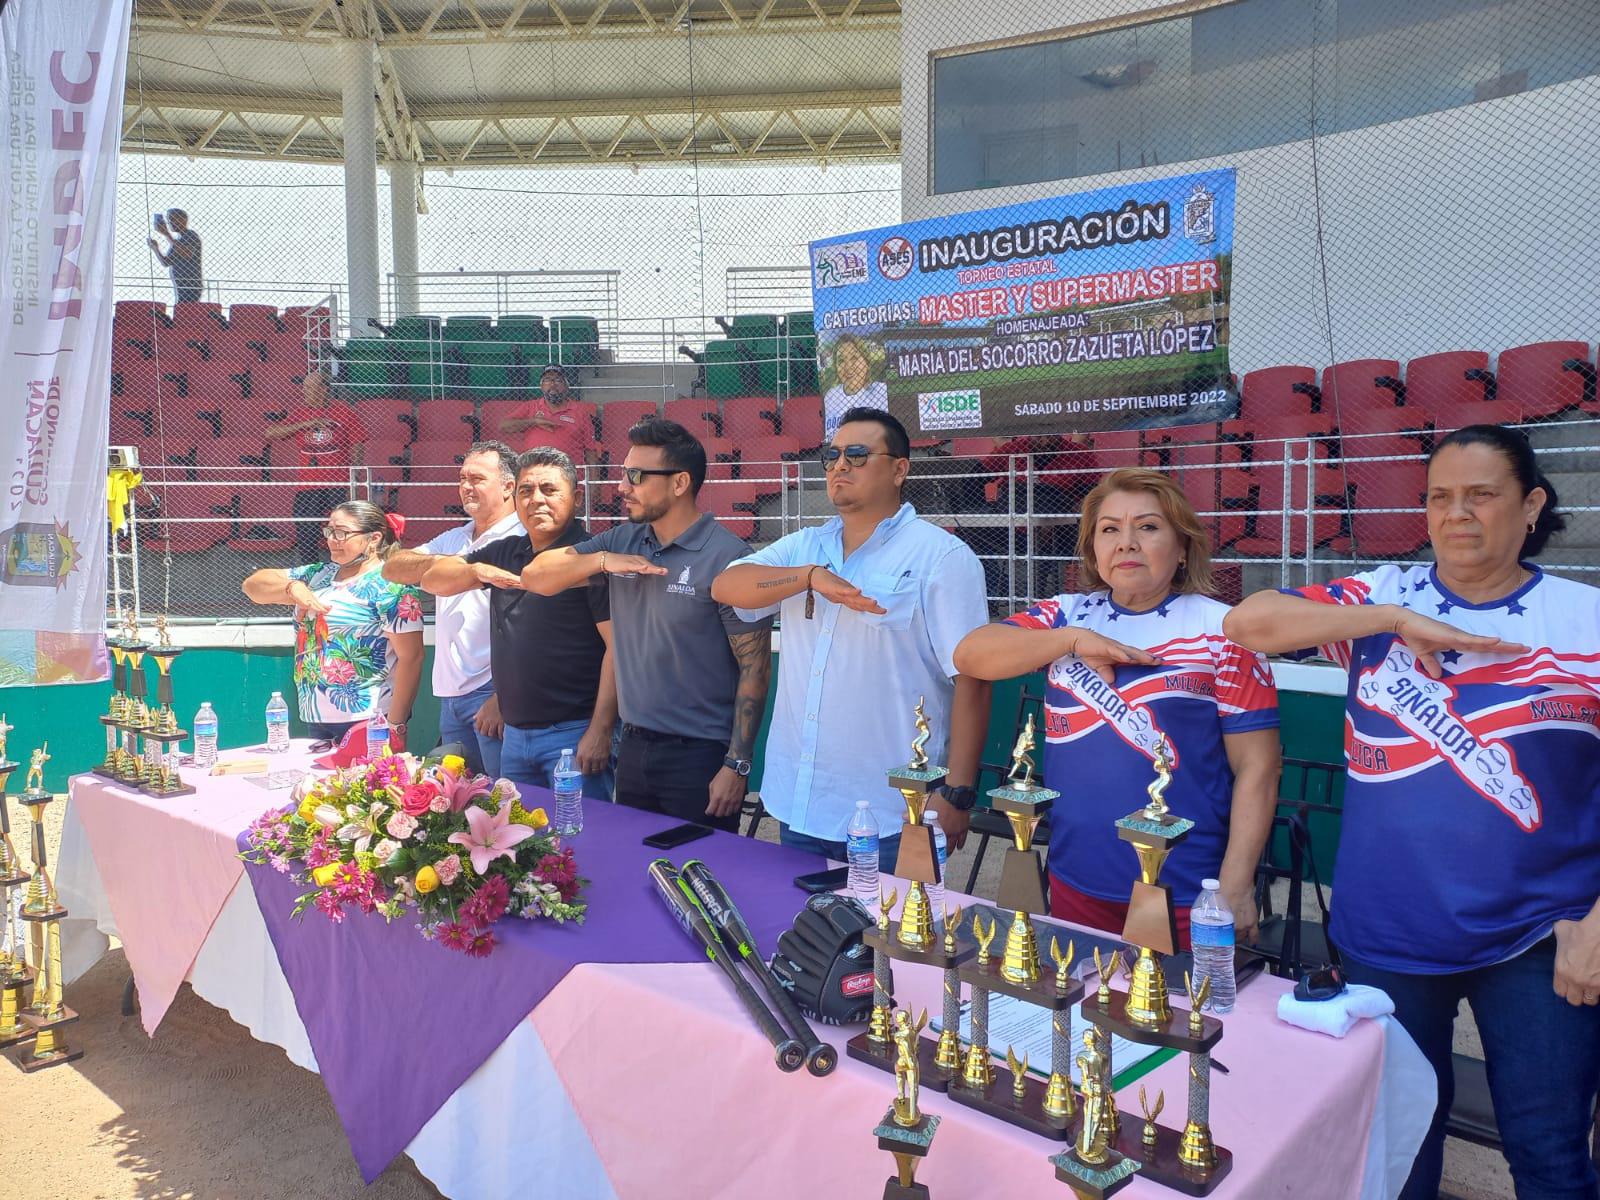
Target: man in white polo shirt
[(468, 711)]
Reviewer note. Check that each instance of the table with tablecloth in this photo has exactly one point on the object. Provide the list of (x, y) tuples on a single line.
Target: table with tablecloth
[(630, 1069)]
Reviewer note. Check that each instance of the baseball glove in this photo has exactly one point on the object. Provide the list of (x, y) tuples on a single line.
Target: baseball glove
[(824, 963)]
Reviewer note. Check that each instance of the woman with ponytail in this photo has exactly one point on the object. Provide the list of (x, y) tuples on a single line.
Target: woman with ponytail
[(1469, 860), (358, 647)]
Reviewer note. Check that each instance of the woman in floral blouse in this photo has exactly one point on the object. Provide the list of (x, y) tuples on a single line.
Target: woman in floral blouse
[(358, 646)]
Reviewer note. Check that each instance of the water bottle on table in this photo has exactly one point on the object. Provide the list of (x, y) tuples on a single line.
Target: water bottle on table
[(861, 851), (1211, 937), (941, 849), (567, 783), (205, 735), (377, 736), (277, 724)]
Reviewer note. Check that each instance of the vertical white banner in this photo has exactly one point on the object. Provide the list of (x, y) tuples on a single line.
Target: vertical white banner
[(62, 69)]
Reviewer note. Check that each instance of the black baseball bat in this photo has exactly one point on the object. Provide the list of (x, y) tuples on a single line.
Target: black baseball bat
[(680, 902), (724, 914)]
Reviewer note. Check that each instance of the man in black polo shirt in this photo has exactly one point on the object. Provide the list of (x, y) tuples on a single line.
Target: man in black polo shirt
[(549, 656), (691, 673)]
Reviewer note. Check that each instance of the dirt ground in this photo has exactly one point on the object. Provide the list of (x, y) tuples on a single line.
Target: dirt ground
[(202, 1111)]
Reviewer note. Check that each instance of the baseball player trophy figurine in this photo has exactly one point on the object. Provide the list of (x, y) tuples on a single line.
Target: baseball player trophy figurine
[(1188, 1162), (912, 937), (46, 1015), (1045, 1108), (1093, 1168), (906, 1131), (163, 737), (14, 974)]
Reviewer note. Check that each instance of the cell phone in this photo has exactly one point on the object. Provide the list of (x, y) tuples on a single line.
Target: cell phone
[(677, 835), (823, 881)]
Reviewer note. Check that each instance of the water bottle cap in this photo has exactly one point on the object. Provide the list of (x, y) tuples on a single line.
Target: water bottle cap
[(863, 803), (1211, 885), (566, 750)]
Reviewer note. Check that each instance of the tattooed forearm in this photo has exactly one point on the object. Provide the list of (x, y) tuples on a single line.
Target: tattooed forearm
[(754, 654), (781, 581)]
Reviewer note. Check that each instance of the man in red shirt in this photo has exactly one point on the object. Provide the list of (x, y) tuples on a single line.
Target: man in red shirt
[(552, 418), (330, 439)]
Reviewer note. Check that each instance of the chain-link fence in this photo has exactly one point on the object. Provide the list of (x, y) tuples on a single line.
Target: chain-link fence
[(627, 191)]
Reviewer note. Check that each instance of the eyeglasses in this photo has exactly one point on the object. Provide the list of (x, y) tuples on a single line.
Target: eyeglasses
[(855, 455), (340, 536), (635, 475)]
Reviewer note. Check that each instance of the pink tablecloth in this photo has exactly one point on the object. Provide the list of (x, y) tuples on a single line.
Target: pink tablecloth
[(167, 866), (672, 1084)]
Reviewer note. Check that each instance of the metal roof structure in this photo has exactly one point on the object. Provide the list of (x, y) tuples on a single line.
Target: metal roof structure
[(477, 83)]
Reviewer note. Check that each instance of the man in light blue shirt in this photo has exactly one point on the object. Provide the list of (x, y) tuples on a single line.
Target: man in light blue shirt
[(872, 603)]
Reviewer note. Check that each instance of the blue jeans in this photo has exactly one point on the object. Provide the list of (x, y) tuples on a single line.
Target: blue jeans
[(456, 714), (888, 847), (531, 755), (1543, 1058)]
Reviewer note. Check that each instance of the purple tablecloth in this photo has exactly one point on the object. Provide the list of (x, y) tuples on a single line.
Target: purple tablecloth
[(398, 1023)]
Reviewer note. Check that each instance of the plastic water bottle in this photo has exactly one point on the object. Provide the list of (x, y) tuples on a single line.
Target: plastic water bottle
[(377, 735), (568, 787), (861, 850), (205, 736), (941, 849), (1211, 936), (277, 724)]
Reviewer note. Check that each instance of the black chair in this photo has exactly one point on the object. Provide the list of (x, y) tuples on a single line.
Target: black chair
[(1291, 944), (752, 808)]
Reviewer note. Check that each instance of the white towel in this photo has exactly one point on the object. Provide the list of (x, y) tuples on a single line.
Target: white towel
[(1338, 1016)]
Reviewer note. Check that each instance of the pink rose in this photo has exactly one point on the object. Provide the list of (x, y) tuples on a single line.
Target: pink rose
[(439, 804), (419, 797), (401, 826), (448, 869)]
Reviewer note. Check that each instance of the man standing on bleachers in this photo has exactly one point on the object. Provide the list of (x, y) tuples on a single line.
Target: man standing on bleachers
[(331, 437), (182, 257), (552, 418), (469, 714)]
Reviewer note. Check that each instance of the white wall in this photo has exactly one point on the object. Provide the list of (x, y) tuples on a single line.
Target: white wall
[(1471, 228)]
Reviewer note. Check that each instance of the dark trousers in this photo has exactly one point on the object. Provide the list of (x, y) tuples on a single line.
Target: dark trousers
[(311, 509), (1543, 1058), (665, 773)]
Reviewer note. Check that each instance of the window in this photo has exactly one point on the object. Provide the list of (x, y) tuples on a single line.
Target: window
[(1237, 77)]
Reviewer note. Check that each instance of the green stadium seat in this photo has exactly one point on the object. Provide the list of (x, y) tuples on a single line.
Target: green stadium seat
[(800, 324), (464, 330), (424, 328), (724, 363), (577, 340), (747, 326), (772, 367)]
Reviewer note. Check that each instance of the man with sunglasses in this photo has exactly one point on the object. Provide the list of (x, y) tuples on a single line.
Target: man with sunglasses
[(872, 605), (691, 673)]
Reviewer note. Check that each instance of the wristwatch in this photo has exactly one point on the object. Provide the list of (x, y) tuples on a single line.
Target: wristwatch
[(961, 798), (739, 766)]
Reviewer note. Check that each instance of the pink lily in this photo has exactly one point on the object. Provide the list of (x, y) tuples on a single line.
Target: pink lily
[(489, 836), (463, 791)]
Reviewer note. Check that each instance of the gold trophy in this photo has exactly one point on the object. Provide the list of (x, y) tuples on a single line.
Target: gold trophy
[(1044, 1108), (117, 710), (46, 1015), (1188, 1162), (14, 974), (906, 1131), (1094, 1168), (131, 768), (912, 938), (163, 737)]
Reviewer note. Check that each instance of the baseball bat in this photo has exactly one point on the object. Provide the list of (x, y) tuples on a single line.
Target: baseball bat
[(724, 914), (680, 902)]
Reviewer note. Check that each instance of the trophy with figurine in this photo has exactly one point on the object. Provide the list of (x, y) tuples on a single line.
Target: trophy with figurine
[(1045, 1107), (117, 710), (912, 937), (14, 974), (162, 736), (1188, 1162), (906, 1131), (46, 1016)]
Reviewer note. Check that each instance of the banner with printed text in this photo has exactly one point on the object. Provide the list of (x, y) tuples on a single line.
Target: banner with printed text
[(62, 67), (1101, 310)]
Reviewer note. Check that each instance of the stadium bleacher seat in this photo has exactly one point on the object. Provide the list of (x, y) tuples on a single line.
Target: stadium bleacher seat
[(254, 320), (1353, 390), (266, 520), (800, 417), (749, 416), (575, 341), (698, 415), (190, 518), (1448, 386), (448, 425), (734, 503), (1545, 379), (429, 509), (1274, 392)]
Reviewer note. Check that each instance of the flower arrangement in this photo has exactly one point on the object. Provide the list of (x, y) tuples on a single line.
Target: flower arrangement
[(395, 832)]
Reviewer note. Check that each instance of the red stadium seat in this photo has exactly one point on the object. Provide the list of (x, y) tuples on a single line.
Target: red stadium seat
[(190, 518), (266, 520), (734, 503), (447, 424), (385, 452), (1545, 379), (1448, 386), (259, 321), (1399, 485), (720, 449), (492, 414), (762, 461), (1274, 392), (619, 416), (802, 420), (224, 460), (745, 417), (429, 509), (388, 418), (697, 414), (1351, 389)]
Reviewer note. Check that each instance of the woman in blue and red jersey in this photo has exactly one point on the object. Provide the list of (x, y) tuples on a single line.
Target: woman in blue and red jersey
[(1139, 655), (1469, 862)]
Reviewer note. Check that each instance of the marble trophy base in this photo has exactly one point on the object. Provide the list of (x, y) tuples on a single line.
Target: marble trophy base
[(913, 1141), (1095, 1181)]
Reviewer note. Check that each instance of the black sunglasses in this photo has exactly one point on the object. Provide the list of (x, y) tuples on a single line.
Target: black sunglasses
[(855, 454), (635, 475)]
